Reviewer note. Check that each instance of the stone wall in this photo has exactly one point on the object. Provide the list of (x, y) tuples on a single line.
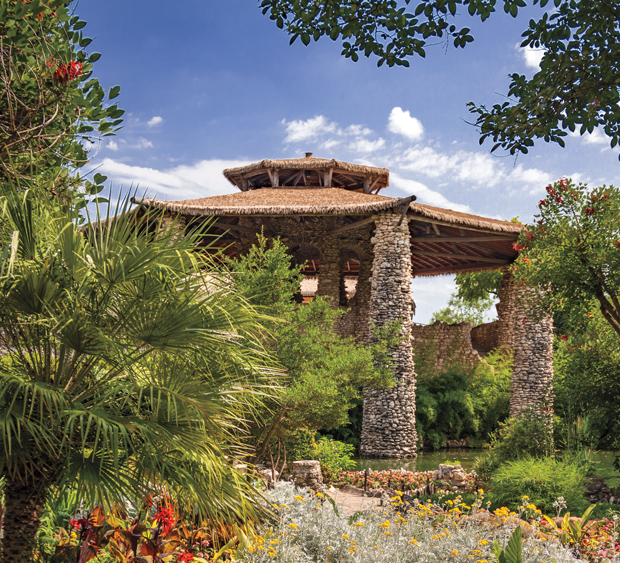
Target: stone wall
[(447, 343), (388, 428), (485, 337)]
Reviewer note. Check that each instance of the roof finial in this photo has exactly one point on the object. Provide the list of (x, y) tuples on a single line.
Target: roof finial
[(308, 155)]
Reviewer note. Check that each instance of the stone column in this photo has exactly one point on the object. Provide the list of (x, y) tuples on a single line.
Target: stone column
[(529, 333), (329, 271), (388, 428)]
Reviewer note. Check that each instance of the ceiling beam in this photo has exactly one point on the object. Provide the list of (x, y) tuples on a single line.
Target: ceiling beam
[(459, 256), (422, 219), (350, 226), (451, 270), (466, 239)]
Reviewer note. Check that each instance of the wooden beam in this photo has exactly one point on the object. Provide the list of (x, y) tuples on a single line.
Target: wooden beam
[(452, 224), (459, 256), (451, 269), (476, 246), (231, 227), (274, 176), (327, 178), (366, 185), (403, 205), (351, 226), (466, 239), (436, 229)]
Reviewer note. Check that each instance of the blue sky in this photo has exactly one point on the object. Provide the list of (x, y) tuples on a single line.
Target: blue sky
[(209, 84)]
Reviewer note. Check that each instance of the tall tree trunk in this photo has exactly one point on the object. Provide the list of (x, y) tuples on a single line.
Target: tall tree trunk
[(23, 505)]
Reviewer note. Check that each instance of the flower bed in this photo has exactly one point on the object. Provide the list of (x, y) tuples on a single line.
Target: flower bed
[(306, 528), (398, 479)]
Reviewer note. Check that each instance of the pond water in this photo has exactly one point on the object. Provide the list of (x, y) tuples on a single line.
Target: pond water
[(427, 461)]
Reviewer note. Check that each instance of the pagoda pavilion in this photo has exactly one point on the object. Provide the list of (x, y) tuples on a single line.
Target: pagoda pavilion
[(364, 248)]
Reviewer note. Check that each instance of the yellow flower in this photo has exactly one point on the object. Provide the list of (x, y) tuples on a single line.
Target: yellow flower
[(413, 541), (385, 524), (454, 552), (299, 498), (292, 525), (483, 542), (387, 533), (345, 537), (320, 495), (359, 524), (329, 548)]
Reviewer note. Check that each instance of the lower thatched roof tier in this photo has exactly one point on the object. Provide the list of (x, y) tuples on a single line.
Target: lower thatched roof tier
[(323, 201), (282, 201), (442, 240)]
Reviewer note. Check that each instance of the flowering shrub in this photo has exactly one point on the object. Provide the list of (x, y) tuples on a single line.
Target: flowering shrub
[(157, 532), (308, 529), (397, 479)]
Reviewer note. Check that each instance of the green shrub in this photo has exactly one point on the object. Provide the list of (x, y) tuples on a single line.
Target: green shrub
[(334, 457), (300, 445), (527, 436), (543, 481)]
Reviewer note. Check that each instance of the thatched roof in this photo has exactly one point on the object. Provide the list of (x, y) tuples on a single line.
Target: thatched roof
[(457, 218), (324, 201), (306, 172), (282, 201)]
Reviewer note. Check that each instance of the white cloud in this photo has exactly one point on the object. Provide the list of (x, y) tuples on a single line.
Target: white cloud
[(202, 179), (536, 179), (155, 120), (479, 169), (424, 194), (113, 145), (596, 138), (300, 130), (366, 146), (403, 123), (142, 144), (531, 56)]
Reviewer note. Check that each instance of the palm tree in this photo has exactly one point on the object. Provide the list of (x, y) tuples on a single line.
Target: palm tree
[(125, 368)]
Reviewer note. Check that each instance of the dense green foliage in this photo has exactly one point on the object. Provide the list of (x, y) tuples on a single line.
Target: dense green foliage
[(524, 437), (326, 370), (576, 87), (460, 401), (121, 374), (334, 456), (51, 106), (459, 310), (573, 250), (587, 384), (543, 480)]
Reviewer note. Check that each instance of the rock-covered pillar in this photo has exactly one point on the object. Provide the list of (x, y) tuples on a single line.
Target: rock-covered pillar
[(388, 428), (329, 271), (529, 333)]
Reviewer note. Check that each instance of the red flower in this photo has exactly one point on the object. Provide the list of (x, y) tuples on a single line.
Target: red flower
[(564, 337), (617, 243), (523, 321), (165, 517), (67, 72), (185, 557), (590, 211)]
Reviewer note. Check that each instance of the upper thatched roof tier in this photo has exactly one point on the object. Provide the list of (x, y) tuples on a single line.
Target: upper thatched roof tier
[(308, 172)]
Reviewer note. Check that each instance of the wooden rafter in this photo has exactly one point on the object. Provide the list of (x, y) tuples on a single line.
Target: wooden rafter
[(458, 256)]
